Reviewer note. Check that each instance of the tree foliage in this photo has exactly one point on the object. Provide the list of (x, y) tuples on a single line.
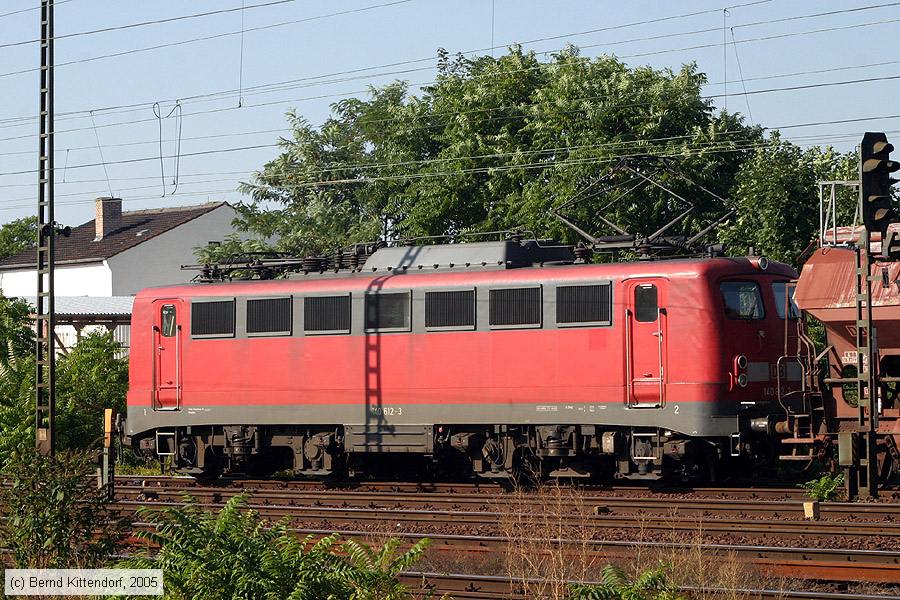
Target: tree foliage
[(56, 517), (92, 377), (495, 144), (236, 554), (17, 236), (777, 202)]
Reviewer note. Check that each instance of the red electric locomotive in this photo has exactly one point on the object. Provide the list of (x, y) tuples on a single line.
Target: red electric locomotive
[(489, 355)]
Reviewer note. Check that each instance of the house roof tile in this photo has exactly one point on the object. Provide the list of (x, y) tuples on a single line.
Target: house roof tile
[(137, 226)]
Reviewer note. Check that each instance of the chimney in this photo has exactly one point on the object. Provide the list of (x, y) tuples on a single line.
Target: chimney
[(109, 216)]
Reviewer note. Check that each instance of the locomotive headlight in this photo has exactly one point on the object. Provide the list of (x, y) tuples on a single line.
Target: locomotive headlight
[(742, 380), (763, 263), (741, 362)]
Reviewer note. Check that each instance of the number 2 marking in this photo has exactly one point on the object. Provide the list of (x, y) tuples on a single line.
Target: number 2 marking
[(676, 409)]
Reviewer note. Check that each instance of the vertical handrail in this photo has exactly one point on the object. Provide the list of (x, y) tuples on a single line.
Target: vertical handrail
[(177, 367), (628, 377), (154, 347), (659, 336)]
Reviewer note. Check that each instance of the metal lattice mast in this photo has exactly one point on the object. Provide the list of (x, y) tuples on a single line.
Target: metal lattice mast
[(45, 352)]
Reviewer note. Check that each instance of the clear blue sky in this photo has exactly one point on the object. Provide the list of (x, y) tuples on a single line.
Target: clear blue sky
[(389, 34)]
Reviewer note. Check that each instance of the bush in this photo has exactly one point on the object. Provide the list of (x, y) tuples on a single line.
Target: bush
[(615, 585), (236, 554), (825, 488), (57, 518), (89, 379)]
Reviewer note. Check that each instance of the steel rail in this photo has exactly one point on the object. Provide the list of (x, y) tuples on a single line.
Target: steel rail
[(822, 564), (492, 586), (466, 501), (756, 491), (491, 519)]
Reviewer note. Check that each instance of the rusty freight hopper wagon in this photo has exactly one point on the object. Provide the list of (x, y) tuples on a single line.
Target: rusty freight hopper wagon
[(851, 284)]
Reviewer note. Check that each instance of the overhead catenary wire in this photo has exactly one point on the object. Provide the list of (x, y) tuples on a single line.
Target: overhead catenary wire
[(140, 24), (448, 113), (356, 92), (102, 160), (526, 42), (506, 117), (30, 9), (436, 160), (814, 139), (432, 174), (755, 92), (741, 74)]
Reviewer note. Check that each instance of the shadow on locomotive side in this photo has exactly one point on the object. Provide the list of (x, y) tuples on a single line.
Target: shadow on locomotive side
[(487, 357)]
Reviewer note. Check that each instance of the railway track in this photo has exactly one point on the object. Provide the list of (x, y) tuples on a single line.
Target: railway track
[(486, 587), (756, 492), (483, 501), (483, 487), (605, 522), (823, 564), (489, 519)]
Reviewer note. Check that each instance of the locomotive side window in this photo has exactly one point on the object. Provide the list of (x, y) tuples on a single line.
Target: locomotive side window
[(784, 298), (450, 309), (214, 318), (167, 320), (326, 314), (646, 303), (388, 311), (269, 316), (515, 307), (583, 304), (743, 300)]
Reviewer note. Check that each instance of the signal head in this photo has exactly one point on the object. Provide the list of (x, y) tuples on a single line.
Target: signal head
[(874, 170)]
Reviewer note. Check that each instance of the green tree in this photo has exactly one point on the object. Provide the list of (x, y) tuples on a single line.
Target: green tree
[(55, 517), (92, 377), (17, 370), (236, 554), (777, 202), (495, 144), (17, 236)]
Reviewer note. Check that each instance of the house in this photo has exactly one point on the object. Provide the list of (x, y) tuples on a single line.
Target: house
[(108, 259)]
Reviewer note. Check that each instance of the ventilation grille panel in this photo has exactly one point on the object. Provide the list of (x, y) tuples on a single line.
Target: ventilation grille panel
[(326, 314), (515, 307), (212, 318), (269, 315), (450, 309), (583, 304)]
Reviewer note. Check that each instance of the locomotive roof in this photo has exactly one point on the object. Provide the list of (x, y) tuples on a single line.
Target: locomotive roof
[(405, 266), (505, 254)]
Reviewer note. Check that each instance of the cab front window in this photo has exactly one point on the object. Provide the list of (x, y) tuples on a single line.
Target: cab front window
[(784, 300), (743, 300)]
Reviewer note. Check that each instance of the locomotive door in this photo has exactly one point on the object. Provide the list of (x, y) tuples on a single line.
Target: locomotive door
[(167, 347), (645, 343)]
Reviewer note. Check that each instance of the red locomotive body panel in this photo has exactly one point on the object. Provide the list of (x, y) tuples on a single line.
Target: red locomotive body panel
[(675, 368)]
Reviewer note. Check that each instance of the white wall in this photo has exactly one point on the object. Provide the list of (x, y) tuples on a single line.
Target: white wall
[(158, 260), (83, 280)]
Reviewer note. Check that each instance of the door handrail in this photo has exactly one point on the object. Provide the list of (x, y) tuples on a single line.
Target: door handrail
[(659, 336), (628, 374), (154, 388), (177, 367)]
